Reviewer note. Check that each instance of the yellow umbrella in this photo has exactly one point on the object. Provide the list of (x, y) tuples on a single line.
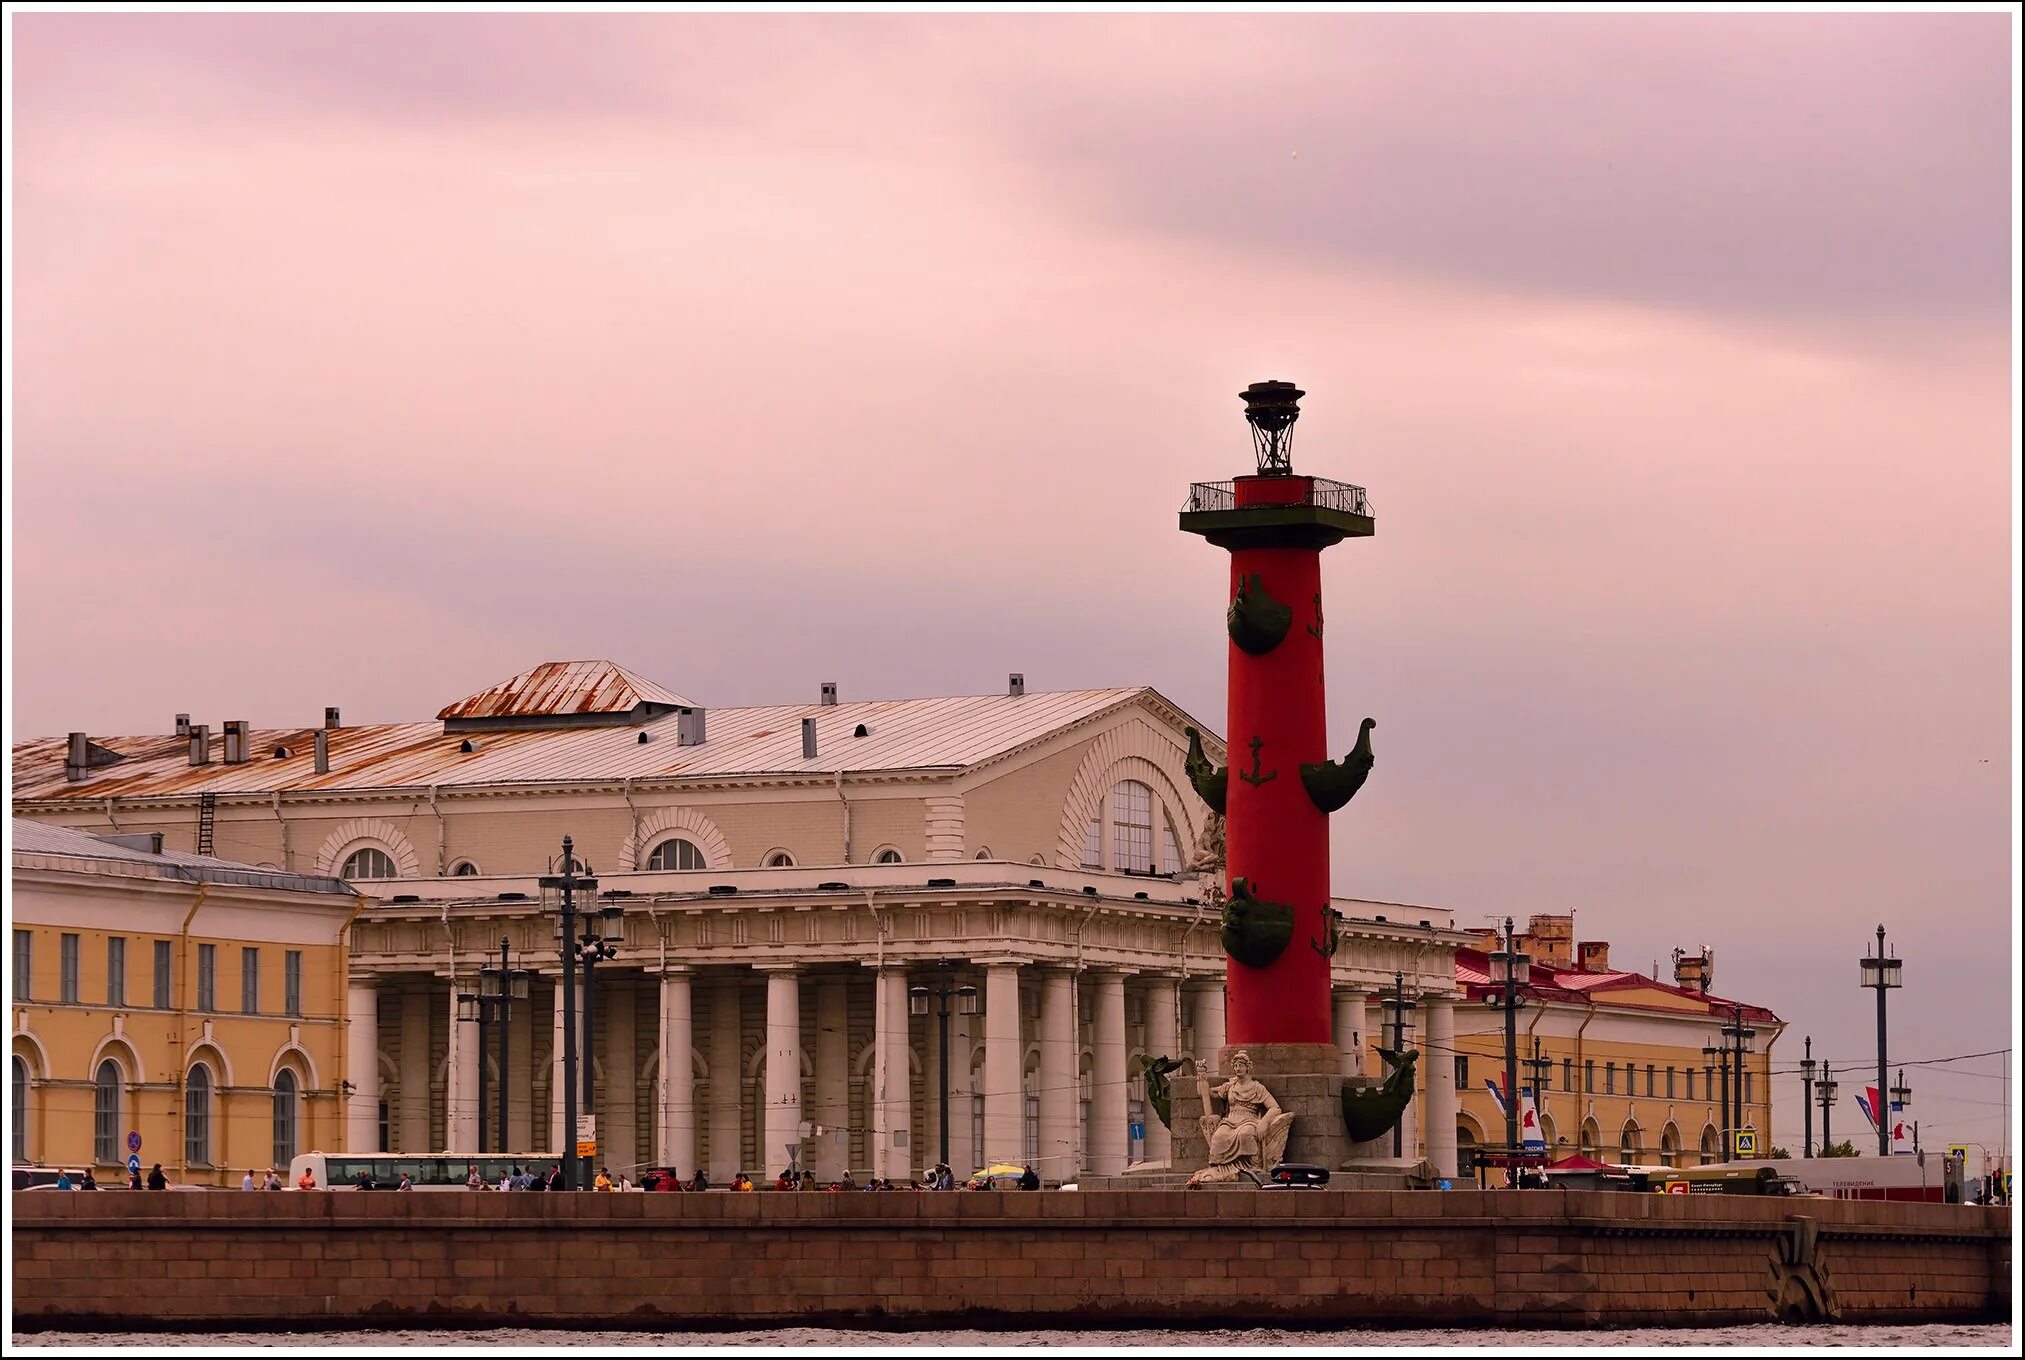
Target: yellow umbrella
[(999, 1171)]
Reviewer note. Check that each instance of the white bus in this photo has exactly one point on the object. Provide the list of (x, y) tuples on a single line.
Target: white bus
[(425, 1171)]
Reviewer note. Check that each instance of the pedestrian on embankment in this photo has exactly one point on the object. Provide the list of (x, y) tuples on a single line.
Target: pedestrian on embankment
[(156, 1180)]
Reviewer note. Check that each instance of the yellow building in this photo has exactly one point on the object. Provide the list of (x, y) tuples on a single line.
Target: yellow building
[(193, 1001), (1622, 1076)]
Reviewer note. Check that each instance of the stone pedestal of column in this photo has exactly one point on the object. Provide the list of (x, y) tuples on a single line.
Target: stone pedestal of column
[(1306, 1079)]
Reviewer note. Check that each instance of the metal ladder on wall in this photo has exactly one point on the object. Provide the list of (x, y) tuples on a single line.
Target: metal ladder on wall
[(207, 821)]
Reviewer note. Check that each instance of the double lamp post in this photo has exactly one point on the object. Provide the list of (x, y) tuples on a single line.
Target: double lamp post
[(602, 930)]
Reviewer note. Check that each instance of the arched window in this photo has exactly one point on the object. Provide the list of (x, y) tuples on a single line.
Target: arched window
[(369, 862), (1131, 826), (887, 856), (286, 1104), (779, 859), (105, 1113), (20, 1111), (1592, 1139), (676, 853), (1712, 1146), (1669, 1146), (986, 854), (197, 1116), (465, 869), (1631, 1145)]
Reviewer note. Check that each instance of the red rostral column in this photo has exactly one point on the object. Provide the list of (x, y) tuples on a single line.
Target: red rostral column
[(1275, 525)]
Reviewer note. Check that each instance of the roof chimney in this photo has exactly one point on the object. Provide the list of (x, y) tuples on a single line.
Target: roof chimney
[(1016, 684), (808, 738), (77, 761), (1593, 956), (330, 719), (688, 727), (237, 732), (323, 750), (200, 744), (182, 724), (1694, 972), (829, 699)]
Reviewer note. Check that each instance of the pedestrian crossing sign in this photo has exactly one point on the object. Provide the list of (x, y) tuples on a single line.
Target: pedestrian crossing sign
[(1747, 1142)]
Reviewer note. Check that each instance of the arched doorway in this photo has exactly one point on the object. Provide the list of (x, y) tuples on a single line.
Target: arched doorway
[(1592, 1140), (1631, 1144), (1712, 1145), (1669, 1145)]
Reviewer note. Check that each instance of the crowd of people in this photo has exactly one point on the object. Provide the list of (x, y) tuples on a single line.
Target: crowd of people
[(938, 1177)]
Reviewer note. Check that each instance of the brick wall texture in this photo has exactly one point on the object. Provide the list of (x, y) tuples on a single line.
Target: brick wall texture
[(1372, 1257)]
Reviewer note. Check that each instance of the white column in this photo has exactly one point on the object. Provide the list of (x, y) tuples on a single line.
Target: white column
[(1058, 1094), (415, 1054), (460, 1087), (1107, 1089), (892, 1090), (558, 1143), (521, 1052), (832, 1105), (675, 1090), (726, 1082), (1163, 1040), (1209, 1031), (362, 1066), (783, 1068), (1441, 1095), (618, 1086), (962, 1040), (926, 1144), (1002, 1096), (1350, 1011)]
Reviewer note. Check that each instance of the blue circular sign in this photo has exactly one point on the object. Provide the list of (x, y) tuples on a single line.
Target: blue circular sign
[(134, 1163), (134, 1140)]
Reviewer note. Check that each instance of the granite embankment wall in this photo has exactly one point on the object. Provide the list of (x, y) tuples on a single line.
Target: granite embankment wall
[(1543, 1258)]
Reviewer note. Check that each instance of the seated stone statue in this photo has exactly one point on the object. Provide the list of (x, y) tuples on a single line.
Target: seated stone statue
[(1245, 1128)]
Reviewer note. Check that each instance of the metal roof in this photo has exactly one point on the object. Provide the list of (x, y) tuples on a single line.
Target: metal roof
[(61, 842), (561, 687), (1472, 970), (901, 734)]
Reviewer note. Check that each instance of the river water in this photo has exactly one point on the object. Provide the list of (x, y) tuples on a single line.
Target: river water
[(1996, 1337)]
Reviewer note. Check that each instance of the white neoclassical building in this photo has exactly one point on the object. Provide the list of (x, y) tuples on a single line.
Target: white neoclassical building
[(786, 874)]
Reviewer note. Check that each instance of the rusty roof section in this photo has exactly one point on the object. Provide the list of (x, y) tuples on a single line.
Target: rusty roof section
[(559, 688), (901, 734)]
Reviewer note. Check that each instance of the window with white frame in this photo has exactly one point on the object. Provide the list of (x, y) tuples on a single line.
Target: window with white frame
[(464, 868), (369, 862), (19, 1110), (107, 1083), (977, 1123), (197, 1116), (291, 982), (1170, 849), (887, 856), (116, 971), (1093, 839), (676, 853), (24, 964), (779, 859), (207, 977), (287, 1098), (66, 981), (1132, 826), (1030, 1129)]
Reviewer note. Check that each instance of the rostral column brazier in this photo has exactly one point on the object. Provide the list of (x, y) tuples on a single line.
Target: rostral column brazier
[(1280, 787)]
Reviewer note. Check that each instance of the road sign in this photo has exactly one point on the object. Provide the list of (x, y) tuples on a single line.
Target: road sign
[(1138, 1133), (133, 1163), (1960, 1152), (1747, 1142), (587, 1147), (134, 1140), (587, 1127)]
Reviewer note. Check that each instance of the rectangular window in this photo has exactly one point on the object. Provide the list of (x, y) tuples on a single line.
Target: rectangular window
[(1669, 1083), (165, 969), (1650, 1071), (1083, 1122), (1462, 1071), (1030, 1129), (1132, 826), (24, 964), (1589, 1076), (291, 982), (249, 981), (1610, 1078), (1545, 1078), (67, 977), (116, 971), (1690, 1083), (1708, 1083), (207, 977), (1093, 840), (1567, 1074), (1747, 1086), (977, 1130)]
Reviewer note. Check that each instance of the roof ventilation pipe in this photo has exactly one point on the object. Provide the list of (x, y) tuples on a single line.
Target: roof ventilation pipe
[(1016, 684), (829, 699), (182, 724), (688, 727), (77, 761), (236, 744), (808, 738), (200, 743), (323, 751)]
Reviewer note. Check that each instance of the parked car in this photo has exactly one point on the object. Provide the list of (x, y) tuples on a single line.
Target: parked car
[(1297, 1176)]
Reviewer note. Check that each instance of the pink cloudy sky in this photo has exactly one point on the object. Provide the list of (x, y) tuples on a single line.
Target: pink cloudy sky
[(368, 359)]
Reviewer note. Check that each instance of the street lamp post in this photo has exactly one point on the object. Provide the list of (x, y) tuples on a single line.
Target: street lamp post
[(1739, 1037), (1508, 970), (567, 885), (1719, 1059), (1881, 972), (1398, 1012), (603, 930), (1807, 1100), (498, 989), (1824, 1092), (966, 1004)]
